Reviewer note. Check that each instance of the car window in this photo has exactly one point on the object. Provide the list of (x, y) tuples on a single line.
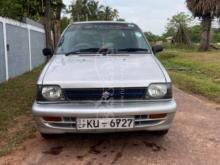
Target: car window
[(103, 36)]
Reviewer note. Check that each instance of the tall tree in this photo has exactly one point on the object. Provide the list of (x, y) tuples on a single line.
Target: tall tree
[(85, 10), (94, 10), (47, 23), (181, 19), (107, 13), (50, 15), (57, 6), (182, 36), (47, 12), (17, 9), (207, 10), (79, 10)]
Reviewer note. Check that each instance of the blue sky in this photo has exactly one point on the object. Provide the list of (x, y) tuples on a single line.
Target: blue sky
[(150, 15)]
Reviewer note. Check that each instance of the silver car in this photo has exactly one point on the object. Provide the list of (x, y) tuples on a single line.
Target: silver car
[(103, 77)]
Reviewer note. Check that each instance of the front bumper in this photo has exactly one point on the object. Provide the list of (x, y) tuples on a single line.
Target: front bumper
[(69, 112)]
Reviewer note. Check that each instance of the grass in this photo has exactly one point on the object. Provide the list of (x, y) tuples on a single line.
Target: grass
[(193, 71), (16, 97)]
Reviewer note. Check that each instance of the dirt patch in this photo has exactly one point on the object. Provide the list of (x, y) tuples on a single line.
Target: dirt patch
[(54, 150), (80, 157), (94, 150), (119, 154), (90, 162), (20, 129), (153, 146), (104, 156), (135, 144)]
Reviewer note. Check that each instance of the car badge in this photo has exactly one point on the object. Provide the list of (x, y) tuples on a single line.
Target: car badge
[(106, 95)]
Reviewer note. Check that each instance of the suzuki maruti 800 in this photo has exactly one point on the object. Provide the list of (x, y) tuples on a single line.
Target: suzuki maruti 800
[(103, 77)]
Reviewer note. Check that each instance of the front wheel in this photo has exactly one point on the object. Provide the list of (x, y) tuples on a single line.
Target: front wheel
[(160, 133)]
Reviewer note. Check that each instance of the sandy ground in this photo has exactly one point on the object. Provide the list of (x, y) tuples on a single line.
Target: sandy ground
[(193, 139)]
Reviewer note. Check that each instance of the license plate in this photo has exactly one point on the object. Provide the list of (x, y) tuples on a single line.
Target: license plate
[(104, 123)]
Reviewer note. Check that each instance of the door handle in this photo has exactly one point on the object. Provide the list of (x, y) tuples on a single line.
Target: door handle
[(8, 47)]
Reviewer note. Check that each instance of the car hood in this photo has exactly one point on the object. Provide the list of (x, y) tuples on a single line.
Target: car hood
[(103, 71)]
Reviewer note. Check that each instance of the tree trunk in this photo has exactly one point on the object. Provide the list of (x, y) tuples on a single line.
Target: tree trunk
[(205, 35), (47, 24), (57, 24), (57, 28), (218, 9)]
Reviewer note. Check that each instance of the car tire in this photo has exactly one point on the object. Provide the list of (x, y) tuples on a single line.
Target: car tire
[(160, 133), (47, 136)]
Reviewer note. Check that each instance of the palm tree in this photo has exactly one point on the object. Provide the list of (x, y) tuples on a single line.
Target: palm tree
[(115, 14), (79, 10), (207, 10), (82, 10), (94, 9), (109, 14), (182, 37)]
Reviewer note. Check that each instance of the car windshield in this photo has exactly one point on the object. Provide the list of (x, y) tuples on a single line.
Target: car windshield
[(108, 38)]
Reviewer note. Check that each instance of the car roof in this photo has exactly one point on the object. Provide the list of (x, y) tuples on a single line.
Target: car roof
[(102, 22)]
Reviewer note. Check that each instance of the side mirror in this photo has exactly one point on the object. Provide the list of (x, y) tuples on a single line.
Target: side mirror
[(157, 48), (47, 52)]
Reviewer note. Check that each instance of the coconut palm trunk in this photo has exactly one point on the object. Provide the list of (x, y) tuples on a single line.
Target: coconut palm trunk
[(207, 10), (205, 36)]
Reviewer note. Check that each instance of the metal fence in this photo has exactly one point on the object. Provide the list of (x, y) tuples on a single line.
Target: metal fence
[(21, 47)]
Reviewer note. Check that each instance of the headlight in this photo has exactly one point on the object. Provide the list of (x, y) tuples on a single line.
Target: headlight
[(157, 90), (51, 93)]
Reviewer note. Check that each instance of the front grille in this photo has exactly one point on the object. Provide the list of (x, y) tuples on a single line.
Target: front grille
[(144, 120), (105, 94)]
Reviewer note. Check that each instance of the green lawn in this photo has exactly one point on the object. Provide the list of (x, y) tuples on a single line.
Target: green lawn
[(193, 71), (16, 98)]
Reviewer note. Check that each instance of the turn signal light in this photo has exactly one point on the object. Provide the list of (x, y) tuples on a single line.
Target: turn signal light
[(52, 118), (157, 116)]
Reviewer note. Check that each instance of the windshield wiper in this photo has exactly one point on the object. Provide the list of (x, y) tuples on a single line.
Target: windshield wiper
[(103, 51), (132, 50), (89, 50)]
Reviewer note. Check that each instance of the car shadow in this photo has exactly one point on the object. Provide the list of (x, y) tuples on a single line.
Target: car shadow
[(110, 136), (107, 142)]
